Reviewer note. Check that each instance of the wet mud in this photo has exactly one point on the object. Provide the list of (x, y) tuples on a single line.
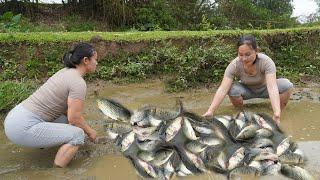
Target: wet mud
[(300, 119)]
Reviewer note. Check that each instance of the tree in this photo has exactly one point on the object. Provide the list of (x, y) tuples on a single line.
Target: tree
[(26, 7), (256, 13), (169, 14), (316, 16)]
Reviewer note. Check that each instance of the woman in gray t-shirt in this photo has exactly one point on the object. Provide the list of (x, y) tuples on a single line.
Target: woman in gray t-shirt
[(256, 73), (52, 116)]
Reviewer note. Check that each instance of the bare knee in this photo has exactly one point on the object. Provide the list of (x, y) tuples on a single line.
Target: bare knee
[(284, 98), (78, 137), (286, 95), (236, 101)]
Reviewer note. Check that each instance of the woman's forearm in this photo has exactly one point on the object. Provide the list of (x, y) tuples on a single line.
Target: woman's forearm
[(220, 93), (81, 123), (274, 94), (275, 102), (218, 98)]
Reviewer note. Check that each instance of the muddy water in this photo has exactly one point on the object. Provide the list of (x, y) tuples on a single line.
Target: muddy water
[(300, 119)]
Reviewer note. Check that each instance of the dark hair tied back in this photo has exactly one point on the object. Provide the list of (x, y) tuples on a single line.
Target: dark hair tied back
[(248, 40), (75, 56)]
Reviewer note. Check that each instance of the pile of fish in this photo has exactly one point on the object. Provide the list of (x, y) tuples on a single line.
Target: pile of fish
[(162, 143)]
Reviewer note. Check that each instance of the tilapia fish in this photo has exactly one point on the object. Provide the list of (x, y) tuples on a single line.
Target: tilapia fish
[(183, 170), (146, 155), (283, 146), (148, 145), (127, 141), (145, 169), (141, 114), (162, 156), (247, 132), (291, 159), (118, 127), (153, 116), (162, 143), (295, 172), (272, 169), (243, 171), (225, 120), (188, 129), (236, 159), (195, 146), (193, 161), (172, 129), (113, 109)]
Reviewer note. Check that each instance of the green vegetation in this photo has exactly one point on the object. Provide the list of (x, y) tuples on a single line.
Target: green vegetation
[(185, 59), (188, 43), (9, 22), (13, 92), (150, 15), (38, 37)]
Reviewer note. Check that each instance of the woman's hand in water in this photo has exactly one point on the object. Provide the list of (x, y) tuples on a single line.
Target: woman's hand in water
[(92, 135)]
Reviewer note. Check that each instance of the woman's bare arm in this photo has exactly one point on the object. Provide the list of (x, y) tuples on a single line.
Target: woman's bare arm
[(219, 95), (274, 95), (75, 108)]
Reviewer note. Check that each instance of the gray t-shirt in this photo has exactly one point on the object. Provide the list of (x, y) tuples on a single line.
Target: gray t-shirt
[(50, 100), (264, 64)]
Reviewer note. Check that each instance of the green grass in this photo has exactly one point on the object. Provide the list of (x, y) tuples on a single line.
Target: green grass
[(42, 37), (13, 92)]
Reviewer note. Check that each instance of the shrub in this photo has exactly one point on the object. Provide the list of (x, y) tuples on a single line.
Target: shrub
[(10, 22), (13, 92)]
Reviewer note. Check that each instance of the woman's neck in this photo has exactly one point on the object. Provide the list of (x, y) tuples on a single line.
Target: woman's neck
[(249, 66), (82, 70)]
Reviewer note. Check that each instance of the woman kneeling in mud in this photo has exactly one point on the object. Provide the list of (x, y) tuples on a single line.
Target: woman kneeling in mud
[(52, 116), (257, 75)]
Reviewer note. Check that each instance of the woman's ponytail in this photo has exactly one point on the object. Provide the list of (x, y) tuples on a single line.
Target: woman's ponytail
[(74, 57)]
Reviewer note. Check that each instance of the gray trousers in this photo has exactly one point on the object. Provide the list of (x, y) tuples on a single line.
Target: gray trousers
[(238, 89), (25, 128)]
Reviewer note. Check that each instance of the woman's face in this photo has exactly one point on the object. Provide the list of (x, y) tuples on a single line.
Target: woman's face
[(92, 62), (247, 54)]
